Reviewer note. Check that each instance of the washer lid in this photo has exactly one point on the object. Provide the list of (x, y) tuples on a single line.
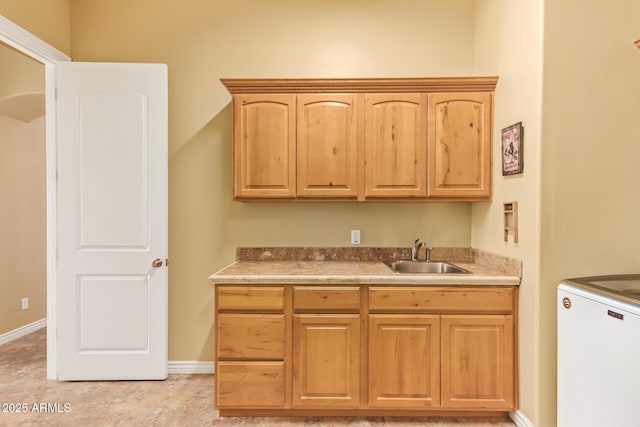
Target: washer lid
[(622, 286)]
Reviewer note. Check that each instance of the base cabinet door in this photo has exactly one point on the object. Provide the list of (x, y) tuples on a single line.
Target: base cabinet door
[(326, 361), (404, 361), (478, 362)]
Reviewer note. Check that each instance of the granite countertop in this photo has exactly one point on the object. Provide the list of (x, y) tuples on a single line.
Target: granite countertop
[(362, 266)]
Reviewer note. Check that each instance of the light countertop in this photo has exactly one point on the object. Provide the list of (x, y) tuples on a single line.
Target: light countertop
[(353, 272)]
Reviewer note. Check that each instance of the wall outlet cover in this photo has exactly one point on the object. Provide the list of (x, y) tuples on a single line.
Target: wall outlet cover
[(355, 237)]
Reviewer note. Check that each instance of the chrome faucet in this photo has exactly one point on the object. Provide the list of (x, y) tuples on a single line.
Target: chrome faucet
[(416, 247)]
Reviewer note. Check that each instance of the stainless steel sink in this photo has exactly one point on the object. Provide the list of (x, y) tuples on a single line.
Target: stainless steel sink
[(424, 267)]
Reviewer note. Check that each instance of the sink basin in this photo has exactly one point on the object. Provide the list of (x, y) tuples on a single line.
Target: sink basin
[(424, 267)]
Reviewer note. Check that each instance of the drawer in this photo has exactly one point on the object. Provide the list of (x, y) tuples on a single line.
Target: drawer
[(250, 384), (441, 299), (250, 336), (246, 298), (326, 298)]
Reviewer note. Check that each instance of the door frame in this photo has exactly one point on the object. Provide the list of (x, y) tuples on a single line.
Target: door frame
[(27, 43)]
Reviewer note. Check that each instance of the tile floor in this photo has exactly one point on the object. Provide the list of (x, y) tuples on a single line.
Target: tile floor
[(181, 400)]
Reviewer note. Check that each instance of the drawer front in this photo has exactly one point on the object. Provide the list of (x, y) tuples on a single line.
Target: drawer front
[(250, 385), (441, 299), (243, 298), (250, 336), (326, 298)]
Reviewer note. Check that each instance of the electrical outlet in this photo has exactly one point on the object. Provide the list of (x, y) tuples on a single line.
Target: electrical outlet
[(355, 237), (25, 303)]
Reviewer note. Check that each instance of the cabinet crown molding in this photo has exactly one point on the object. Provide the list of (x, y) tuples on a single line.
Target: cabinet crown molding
[(357, 85)]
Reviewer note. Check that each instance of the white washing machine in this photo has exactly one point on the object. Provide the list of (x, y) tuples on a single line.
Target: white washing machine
[(599, 351)]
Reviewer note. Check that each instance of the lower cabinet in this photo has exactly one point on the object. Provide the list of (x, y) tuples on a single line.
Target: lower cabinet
[(404, 361), (250, 349), (326, 361), (361, 349), (478, 362)]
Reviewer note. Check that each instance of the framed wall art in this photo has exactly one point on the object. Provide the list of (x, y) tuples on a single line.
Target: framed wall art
[(512, 154)]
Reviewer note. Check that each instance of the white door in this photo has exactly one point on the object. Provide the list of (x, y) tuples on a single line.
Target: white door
[(112, 221)]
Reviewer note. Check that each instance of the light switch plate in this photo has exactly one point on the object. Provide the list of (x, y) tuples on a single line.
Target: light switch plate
[(355, 237)]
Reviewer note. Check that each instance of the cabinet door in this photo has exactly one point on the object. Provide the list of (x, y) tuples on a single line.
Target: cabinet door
[(326, 360), (327, 145), (395, 145), (264, 146), (459, 150), (404, 361), (478, 362)]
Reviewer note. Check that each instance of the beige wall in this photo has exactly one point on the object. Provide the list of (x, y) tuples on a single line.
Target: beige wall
[(22, 197), (46, 19), (578, 197), (508, 43), (19, 73), (203, 41), (22, 222), (22, 167), (591, 147)]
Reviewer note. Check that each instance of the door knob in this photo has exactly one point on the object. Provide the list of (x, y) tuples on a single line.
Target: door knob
[(156, 263)]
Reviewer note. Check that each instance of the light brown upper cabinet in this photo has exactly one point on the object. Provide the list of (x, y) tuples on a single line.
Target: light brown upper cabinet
[(328, 140), (459, 148), (264, 146), (395, 145), (402, 139)]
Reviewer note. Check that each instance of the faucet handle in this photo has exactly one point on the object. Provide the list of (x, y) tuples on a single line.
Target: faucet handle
[(428, 253)]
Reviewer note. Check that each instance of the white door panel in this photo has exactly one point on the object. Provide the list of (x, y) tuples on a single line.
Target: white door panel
[(112, 221), (99, 297), (104, 224)]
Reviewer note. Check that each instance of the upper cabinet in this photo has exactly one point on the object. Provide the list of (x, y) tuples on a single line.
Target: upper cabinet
[(459, 148), (328, 141), (395, 145), (264, 146), (414, 139)]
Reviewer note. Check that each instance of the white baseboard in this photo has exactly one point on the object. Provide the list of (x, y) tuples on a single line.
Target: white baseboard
[(22, 331), (188, 367), (519, 419)]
